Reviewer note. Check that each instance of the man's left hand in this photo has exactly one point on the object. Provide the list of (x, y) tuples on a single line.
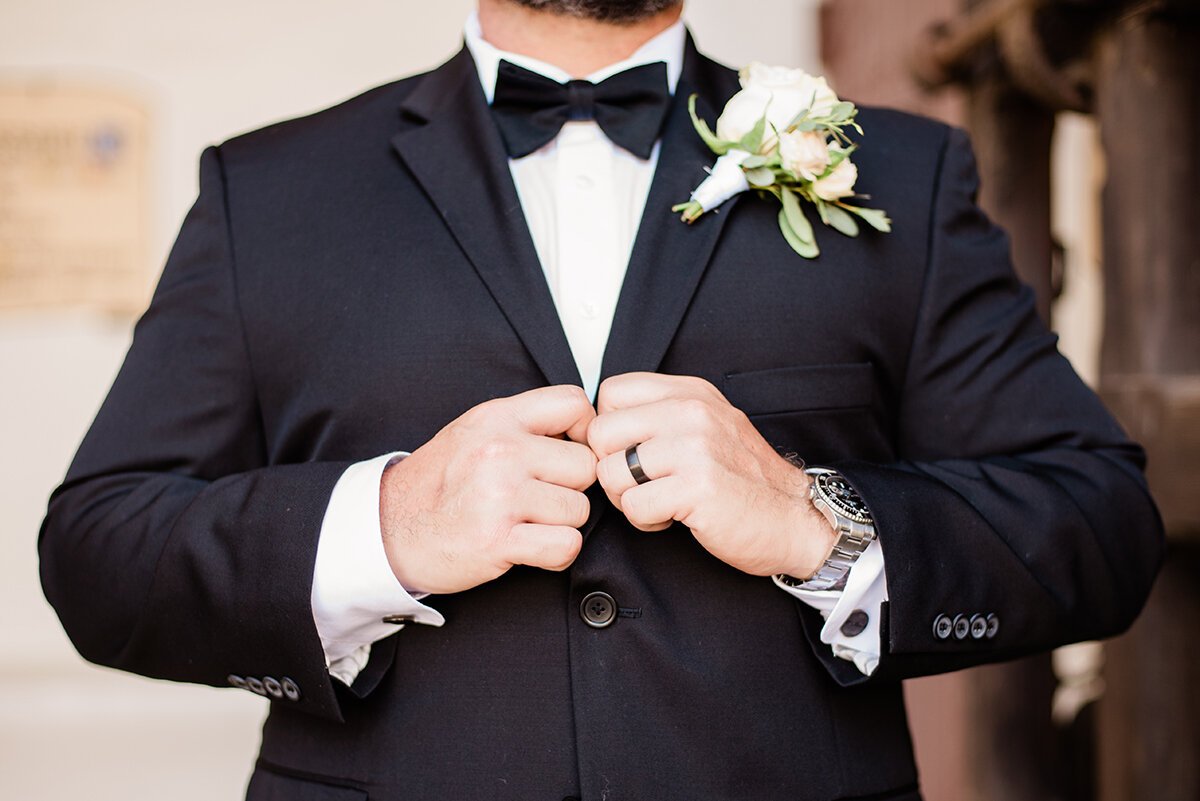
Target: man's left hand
[(710, 469)]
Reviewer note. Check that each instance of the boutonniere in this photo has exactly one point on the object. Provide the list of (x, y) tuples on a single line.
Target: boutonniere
[(784, 134)]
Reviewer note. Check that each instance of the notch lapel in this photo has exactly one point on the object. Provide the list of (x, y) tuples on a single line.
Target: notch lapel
[(669, 257), (452, 147)]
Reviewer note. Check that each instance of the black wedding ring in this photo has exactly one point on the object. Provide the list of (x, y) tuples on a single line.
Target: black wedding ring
[(635, 465)]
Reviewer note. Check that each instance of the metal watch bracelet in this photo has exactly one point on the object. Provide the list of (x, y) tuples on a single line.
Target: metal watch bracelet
[(854, 535)]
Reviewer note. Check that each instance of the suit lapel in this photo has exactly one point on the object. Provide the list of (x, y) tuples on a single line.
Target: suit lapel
[(452, 147), (669, 257)]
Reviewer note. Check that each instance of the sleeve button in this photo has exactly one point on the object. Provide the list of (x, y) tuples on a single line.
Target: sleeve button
[(291, 690)]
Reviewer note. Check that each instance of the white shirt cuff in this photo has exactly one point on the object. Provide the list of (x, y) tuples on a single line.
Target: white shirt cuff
[(353, 584), (865, 592)]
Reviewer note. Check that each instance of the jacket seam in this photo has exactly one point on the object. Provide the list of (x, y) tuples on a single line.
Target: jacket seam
[(236, 300), (935, 199)]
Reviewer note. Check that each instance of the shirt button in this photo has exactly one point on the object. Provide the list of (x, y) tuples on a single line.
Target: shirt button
[(584, 182), (588, 310), (598, 610)]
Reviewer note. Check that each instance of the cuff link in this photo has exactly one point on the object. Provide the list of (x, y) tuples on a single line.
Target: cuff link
[(855, 624)]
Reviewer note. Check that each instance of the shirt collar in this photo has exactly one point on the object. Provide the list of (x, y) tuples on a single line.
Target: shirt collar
[(666, 46)]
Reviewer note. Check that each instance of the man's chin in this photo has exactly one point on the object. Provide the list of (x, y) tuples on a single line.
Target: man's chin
[(619, 12)]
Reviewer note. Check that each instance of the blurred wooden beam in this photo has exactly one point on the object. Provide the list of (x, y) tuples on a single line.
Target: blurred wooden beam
[(1148, 101)]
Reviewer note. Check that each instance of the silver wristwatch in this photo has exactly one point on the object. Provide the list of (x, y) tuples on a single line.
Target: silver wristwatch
[(832, 495)]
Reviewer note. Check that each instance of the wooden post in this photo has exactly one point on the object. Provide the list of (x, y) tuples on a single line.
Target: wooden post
[(1148, 63)]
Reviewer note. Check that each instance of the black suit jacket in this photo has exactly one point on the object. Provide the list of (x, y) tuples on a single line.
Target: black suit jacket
[(348, 283)]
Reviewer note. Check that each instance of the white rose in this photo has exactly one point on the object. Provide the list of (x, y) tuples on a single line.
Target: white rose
[(804, 154), (780, 93), (839, 183)]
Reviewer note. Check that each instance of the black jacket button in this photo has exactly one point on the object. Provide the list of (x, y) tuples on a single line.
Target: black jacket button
[(943, 627), (598, 609), (978, 627), (993, 626), (962, 627)]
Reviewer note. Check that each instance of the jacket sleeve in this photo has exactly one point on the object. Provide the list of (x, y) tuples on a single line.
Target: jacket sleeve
[(172, 549), (1016, 495)]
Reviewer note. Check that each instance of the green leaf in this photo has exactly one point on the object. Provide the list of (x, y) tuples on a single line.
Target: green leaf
[(795, 216), (760, 176), (801, 118), (752, 141), (754, 162), (876, 218), (842, 112), (821, 208), (714, 144), (808, 250), (839, 219)]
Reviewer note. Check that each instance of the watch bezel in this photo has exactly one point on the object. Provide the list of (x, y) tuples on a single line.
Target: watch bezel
[(821, 477)]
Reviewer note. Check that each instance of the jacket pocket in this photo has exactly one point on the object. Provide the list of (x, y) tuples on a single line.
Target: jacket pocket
[(270, 785), (804, 388)]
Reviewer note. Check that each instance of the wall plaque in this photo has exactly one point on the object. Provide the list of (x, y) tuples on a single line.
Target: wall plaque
[(73, 197)]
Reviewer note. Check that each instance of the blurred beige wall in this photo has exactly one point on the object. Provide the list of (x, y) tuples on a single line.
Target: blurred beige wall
[(205, 71)]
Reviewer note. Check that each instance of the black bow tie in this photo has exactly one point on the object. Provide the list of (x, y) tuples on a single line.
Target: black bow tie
[(629, 107)]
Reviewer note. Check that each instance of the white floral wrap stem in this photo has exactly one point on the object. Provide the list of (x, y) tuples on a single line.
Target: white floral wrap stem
[(725, 179)]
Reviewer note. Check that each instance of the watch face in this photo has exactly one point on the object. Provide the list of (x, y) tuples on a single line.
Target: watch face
[(842, 497)]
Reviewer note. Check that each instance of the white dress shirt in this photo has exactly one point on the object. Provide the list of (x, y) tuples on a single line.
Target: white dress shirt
[(583, 198)]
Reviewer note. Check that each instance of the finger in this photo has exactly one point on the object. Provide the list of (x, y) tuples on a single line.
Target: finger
[(547, 547), (551, 411), (616, 430), (656, 504), (637, 389), (655, 457), (556, 461), (539, 502)]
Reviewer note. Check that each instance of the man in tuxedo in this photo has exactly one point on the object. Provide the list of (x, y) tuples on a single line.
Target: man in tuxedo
[(446, 435)]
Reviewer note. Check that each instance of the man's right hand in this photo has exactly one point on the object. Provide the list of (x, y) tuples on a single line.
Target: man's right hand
[(497, 487)]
